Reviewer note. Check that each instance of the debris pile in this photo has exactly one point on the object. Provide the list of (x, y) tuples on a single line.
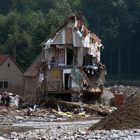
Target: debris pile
[(65, 111), (51, 112), (127, 91), (90, 108), (118, 94), (125, 117)]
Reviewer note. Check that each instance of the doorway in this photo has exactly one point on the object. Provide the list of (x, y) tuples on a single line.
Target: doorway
[(66, 81)]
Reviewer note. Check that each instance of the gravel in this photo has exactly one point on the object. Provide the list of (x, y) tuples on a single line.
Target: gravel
[(75, 132), (122, 124)]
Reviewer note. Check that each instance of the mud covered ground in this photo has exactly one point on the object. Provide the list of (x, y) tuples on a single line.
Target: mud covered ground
[(46, 124), (126, 116), (72, 131)]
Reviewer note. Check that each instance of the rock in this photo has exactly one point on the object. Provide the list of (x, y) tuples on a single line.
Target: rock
[(19, 118), (82, 132), (2, 138), (83, 113), (7, 122), (52, 117), (59, 126), (14, 135), (114, 136)]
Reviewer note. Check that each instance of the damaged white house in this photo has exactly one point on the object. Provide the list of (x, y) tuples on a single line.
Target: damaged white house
[(70, 62)]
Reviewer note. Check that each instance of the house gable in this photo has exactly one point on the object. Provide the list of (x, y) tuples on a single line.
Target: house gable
[(9, 70), (66, 35), (11, 76)]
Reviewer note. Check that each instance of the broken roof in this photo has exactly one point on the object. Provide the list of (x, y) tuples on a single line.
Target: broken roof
[(71, 17), (79, 25), (32, 71)]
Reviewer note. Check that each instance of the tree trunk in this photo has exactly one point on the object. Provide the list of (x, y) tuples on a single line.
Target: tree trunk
[(15, 53), (111, 62), (119, 65), (129, 63)]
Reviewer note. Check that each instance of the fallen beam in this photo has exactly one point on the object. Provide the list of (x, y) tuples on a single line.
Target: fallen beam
[(96, 108)]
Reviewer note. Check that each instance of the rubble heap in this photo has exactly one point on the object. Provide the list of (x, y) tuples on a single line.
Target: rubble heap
[(125, 117), (127, 91)]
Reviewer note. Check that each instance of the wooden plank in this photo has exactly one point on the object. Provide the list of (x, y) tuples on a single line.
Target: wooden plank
[(68, 35), (54, 85), (88, 107)]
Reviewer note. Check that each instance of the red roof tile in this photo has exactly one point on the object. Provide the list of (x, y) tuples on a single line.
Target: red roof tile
[(3, 58)]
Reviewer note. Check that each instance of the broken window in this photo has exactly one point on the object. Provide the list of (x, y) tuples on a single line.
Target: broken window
[(61, 57), (69, 56), (65, 56), (87, 60), (52, 56)]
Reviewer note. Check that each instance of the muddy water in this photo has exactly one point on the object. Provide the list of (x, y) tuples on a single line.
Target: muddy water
[(26, 126), (45, 124), (5, 129), (69, 128)]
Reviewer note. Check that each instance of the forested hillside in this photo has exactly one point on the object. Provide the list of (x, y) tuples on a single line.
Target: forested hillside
[(24, 24)]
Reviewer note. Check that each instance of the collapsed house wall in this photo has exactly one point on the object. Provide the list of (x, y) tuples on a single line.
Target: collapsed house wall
[(71, 60), (75, 47)]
